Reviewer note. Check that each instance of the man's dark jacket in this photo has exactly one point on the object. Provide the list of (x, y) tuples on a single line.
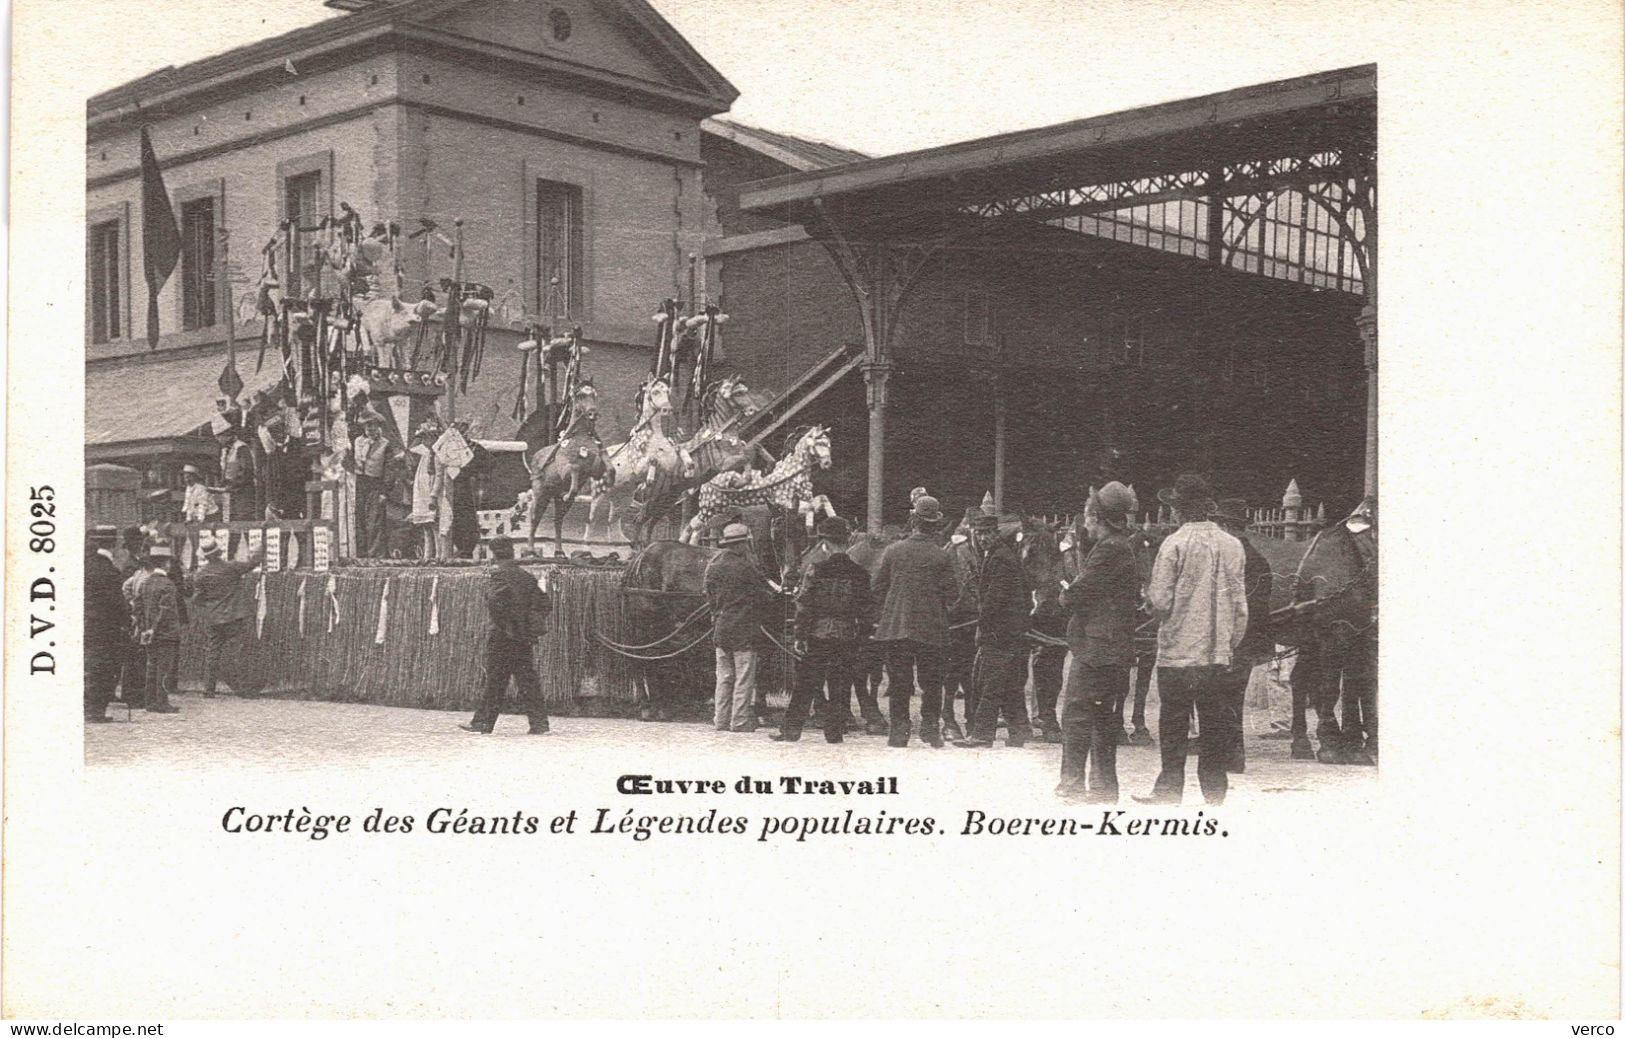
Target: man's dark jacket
[(1003, 604), (219, 592), (107, 615), (1102, 601), (835, 604), (518, 608), (915, 586), (738, 597)]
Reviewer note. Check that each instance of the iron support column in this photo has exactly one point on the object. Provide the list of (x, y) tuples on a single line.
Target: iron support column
[(1367, 323), (876, 374), (1000, 414)]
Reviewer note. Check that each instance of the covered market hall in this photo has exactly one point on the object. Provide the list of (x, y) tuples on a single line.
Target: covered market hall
[(1193, 284)]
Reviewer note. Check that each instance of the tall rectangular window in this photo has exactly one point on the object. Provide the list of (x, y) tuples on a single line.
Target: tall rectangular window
[(561, 290), (197, 264), (302, 204), (106, 304)]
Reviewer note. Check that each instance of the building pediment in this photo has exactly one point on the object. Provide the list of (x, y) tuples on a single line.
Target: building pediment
[(617, 45), (626, 40)]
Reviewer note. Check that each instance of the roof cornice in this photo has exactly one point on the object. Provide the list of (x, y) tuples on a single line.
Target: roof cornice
[(331, 42)]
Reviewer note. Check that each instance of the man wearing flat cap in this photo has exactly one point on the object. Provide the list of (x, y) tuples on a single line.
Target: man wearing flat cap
[(1000, 670), (835, 614), (915, 587), (1198, 593), (1101, 601), (960, 656)]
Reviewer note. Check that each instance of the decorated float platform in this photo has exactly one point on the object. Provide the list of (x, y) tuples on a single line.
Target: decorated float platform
[(412, 634)]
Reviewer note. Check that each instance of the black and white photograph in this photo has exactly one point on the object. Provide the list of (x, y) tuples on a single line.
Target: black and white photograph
[(940, 439), (1086, 409)]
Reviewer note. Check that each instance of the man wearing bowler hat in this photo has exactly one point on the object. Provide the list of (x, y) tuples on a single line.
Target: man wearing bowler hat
[(1257, 645), (1198, 593), (915, 587), (835, 614), (738, 597)]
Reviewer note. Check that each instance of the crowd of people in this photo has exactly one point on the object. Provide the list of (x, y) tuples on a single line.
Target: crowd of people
[(138, 601), (1204, 585), (1201, 588)]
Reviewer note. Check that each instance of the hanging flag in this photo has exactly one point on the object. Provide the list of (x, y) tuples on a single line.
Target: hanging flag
[(300, 595), (160, 238), (230, 382)]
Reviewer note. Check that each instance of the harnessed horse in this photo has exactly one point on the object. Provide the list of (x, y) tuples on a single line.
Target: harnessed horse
[(1333, 622)]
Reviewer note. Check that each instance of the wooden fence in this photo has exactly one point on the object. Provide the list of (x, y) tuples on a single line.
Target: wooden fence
[(1292, 521)]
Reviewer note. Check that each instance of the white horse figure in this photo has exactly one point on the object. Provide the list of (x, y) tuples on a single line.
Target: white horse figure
[(638, 464), (787, 486)]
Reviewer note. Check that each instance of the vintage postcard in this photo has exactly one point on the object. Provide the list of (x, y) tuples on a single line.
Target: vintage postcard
[(674, 508)]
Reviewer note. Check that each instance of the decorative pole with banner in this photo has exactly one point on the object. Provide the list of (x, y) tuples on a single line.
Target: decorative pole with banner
[(160, 237)]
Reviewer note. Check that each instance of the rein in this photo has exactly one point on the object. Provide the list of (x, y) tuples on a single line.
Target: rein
[(628, 654)]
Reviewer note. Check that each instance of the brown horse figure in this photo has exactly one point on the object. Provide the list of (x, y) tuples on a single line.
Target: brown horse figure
[(561, 471)]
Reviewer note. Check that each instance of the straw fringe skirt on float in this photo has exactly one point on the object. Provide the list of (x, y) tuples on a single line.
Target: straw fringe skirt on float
[(421, 645)]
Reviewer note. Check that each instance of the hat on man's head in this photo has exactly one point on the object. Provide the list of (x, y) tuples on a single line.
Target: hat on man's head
[(160, 550), (915, 494), (834, 528), (1232, 511), (191, 470), (733, 533), (1190, 496), (207, 546), (1113, 503), (103, 534), (926, 510)]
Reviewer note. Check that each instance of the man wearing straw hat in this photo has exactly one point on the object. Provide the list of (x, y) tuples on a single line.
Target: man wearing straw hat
[(738, 598), (221, 598), (1256, 645), (916, 588), (1198, 593), (158, 613), (519, 609)]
